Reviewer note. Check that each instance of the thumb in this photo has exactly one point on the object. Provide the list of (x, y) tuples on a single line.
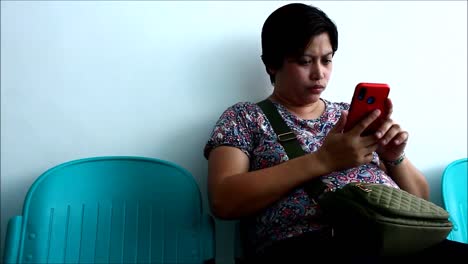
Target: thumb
[(339, 126)]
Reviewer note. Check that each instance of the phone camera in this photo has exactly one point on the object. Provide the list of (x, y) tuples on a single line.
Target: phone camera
[(362, 93), (371, 100)]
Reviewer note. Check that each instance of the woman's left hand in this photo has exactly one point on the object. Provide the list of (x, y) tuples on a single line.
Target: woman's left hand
[(392, 138)]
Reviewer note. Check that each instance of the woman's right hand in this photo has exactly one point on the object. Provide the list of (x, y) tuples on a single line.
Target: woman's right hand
[(346, 150)]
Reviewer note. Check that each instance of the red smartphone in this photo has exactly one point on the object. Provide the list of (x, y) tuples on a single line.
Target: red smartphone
[(366, 98)]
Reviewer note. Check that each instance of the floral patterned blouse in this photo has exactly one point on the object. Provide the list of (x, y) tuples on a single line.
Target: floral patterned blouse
[(244, 126)]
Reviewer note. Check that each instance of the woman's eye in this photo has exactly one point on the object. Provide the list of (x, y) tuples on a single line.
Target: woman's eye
[(304, 62)]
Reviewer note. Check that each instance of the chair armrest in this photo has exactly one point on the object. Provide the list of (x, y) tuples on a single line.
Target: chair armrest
[(12, 240)]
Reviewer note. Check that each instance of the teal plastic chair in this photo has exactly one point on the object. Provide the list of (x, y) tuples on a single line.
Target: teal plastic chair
[(455, 198), (112, 210)]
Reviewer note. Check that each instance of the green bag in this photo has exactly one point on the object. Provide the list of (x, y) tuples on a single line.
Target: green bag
[(390, 220), (374, 216)]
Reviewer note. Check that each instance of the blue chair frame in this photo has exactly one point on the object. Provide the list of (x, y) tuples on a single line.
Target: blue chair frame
[(455, 198)]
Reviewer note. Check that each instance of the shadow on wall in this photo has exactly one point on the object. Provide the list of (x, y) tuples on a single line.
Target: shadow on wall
[(232, 72), (186, 149), (227, 72), (238, 74), (434, 178)]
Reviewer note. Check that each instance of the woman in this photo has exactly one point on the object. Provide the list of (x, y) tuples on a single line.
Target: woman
[(250, 175)]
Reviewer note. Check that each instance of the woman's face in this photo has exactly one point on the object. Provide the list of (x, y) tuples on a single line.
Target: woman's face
[(302, 80)]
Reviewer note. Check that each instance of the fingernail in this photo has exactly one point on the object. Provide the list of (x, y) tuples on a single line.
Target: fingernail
[(397, 141), (378, 134)]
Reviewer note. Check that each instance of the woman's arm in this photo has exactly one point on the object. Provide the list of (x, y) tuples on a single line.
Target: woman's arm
[(235, 192), (392, 144), (409, 178)]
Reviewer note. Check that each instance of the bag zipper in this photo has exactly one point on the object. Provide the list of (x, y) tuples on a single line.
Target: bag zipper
[(363, 188)]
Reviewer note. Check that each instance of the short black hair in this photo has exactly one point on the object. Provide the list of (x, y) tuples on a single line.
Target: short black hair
[(288, 30)]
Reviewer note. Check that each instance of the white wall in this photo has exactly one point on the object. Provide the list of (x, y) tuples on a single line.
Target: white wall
[(92, 78)]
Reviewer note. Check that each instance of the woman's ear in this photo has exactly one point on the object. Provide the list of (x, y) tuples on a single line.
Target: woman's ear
[(271, 71)]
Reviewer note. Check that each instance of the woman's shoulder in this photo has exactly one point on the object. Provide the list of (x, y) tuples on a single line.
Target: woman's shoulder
[(244, 108), (243, 113), (336, 105)]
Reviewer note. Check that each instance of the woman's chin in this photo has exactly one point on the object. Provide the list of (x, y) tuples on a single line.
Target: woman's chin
[(313, 98)]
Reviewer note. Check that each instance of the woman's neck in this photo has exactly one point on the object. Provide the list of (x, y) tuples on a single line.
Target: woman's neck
[(308, 111)]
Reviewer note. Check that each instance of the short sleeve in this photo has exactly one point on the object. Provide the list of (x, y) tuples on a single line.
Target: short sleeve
[(233, 128)]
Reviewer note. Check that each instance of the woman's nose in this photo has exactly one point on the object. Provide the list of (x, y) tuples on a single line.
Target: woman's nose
[(316, 71)]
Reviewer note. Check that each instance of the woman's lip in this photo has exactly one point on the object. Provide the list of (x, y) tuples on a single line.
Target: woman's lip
[(316, 88)]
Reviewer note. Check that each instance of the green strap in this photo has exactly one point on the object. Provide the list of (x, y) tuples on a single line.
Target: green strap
[(289, 141), (285, 136)]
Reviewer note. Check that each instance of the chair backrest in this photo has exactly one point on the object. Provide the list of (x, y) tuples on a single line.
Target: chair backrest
[(117, 209), (455, 198)]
